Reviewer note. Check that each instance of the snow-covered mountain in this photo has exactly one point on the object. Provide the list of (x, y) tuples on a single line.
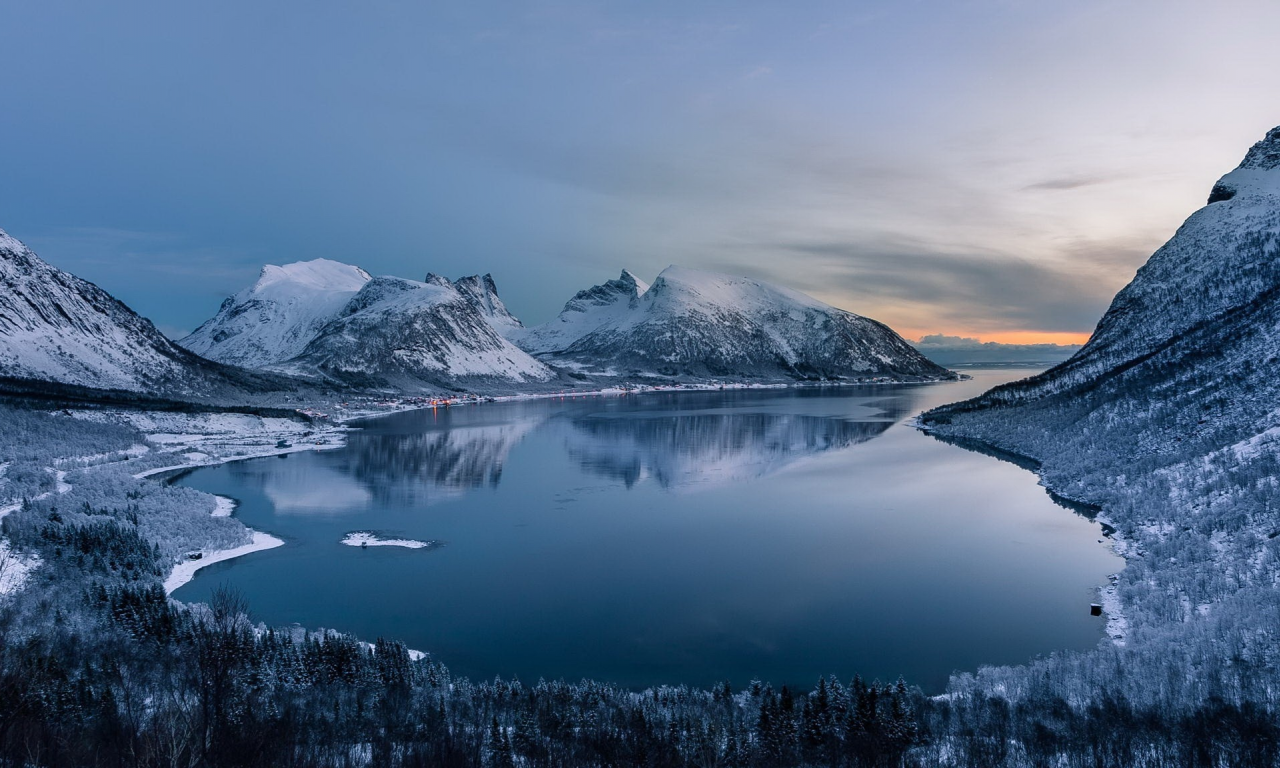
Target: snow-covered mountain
[(326, 318), (408, 333), (706, 325), (56, 327), (276, 317)]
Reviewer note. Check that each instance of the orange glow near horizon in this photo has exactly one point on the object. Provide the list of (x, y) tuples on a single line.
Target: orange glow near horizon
[(1016, 337)]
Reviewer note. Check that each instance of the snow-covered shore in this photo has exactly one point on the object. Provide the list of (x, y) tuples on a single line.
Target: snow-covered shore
[(223, 506), (185, 570)]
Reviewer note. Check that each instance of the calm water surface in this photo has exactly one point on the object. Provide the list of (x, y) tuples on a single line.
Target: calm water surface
[(665, 538)]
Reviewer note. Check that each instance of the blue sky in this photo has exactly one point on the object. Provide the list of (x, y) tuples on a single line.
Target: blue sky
[(995, 168)]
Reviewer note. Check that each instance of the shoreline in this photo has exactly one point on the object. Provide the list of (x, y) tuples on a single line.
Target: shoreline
[(185, 570), (214, 461), (1117, 624)]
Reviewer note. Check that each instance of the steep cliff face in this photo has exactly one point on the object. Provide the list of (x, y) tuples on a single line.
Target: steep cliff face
[(1167, 419), (482, 292), (706, 325)]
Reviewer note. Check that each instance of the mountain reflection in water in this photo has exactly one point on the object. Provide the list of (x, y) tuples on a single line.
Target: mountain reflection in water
[(434, 455), (688, 449)]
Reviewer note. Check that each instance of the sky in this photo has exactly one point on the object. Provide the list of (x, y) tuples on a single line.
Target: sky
[(995, 169)]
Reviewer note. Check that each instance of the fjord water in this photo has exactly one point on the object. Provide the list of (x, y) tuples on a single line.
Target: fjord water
[(673, 538)]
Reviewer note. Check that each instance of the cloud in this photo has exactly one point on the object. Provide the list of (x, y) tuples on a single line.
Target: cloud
[(1068, 183), (967, 289)]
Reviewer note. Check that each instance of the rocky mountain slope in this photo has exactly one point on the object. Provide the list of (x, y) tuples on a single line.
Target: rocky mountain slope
[(704, 325), (55, 327), (407, 334), (324, 318), (585, 312), (482, 292)]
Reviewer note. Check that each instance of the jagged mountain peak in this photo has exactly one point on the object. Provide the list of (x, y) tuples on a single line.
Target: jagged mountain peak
[(1255, 176), (1265, 155), (629, 277), (586, 311), (482, 292)]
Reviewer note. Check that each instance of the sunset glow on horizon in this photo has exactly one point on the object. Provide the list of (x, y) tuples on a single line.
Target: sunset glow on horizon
[(1011, 337)]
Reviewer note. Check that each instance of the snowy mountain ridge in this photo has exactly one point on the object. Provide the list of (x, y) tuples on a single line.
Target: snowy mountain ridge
[(482, 292), (708, 325), (1221, 260), (588, 310), (276, 317), (331, 319)]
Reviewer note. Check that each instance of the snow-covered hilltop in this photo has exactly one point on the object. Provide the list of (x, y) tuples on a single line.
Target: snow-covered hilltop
[(56, 327), (276, 317), (705, 325), (587, 311), (330, 319)]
